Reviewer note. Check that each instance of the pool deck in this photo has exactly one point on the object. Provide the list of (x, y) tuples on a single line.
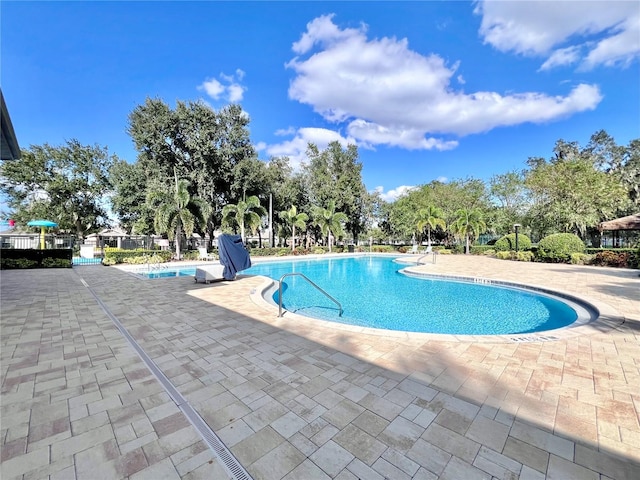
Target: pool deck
[(298, 399)]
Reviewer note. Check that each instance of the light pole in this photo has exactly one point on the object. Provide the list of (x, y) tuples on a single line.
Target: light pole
[(516, 226)]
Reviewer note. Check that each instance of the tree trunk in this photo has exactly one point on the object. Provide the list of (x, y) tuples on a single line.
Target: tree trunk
[(467, 245), (178, 235), (293, 238)]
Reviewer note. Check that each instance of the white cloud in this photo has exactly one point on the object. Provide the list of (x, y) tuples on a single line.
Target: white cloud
[(393, 195), (231, 91), (213, 88), (562, 56), (609, 32), (296, 147), (388, 94)]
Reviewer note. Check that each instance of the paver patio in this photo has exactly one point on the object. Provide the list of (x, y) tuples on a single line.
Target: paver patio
[(294, 398)]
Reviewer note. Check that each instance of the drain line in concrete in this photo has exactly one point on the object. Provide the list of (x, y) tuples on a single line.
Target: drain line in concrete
[(228, 460)]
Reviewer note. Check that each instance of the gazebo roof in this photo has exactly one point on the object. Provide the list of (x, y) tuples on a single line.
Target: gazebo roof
[(631, 222), (113, 232)]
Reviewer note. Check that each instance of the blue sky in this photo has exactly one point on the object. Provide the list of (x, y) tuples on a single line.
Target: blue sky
[(427, 90)]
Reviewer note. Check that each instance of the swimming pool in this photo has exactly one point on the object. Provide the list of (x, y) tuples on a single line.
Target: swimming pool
[(374, 294)]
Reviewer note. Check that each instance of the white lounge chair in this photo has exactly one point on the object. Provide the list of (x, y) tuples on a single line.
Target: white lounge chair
[(209, 273), (204, 255)]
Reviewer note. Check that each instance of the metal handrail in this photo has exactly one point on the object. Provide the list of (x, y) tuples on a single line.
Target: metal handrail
[(308, 280), (433, 257)]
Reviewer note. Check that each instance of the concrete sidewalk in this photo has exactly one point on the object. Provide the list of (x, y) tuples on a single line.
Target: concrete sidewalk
[(299, 399)]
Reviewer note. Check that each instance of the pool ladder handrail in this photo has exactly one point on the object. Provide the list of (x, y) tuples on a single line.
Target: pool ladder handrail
[(433, 257), (155, 266), (308, 280)]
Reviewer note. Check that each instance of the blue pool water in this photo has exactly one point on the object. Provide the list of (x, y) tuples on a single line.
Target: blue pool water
[(169, 273), (374, 294)]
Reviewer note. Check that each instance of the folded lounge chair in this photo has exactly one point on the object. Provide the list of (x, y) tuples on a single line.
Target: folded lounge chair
[(233, 258), (209, 273)]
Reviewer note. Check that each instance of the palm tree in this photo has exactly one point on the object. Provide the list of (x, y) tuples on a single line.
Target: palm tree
[(177, 212), (295, 219), (329, 221), (246, 214), (468, 223), (430, 217)]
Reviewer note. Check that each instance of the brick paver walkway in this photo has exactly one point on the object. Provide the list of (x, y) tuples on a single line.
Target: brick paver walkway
[(298, 399)]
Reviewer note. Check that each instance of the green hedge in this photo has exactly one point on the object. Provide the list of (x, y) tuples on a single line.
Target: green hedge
[(558, 247), (20, 258), (482, 250), (508, 243), (112, 257), (520, 256), (270, 251)]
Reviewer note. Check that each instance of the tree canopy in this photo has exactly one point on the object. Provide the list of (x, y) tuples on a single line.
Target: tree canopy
[(211, 153), (66, 184)]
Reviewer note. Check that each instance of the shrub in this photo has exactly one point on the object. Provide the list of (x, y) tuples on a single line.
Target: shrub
[(444, 251), (524, 256), (191, 255), (612, 259), (269, 251), (11, 263), (558, 247), (49, 262), (319, 250), (108, 261), (615, 257), (508, 242), (581, 258), (383, 249), (489, 252), (459, 248), (481, 249), (119, 255), (503, 255)]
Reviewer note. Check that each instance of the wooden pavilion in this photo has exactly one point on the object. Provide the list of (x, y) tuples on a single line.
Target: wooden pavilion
[(628, 223)]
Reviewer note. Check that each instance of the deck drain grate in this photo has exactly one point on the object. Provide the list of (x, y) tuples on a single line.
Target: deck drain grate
[(230, 463)]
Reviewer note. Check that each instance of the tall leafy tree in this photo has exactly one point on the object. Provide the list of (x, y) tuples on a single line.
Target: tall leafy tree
[(336, 174), (67, 184), (630, 175), (329, 221), (128, 201), (448, 197), (430, 218), (294, 219), (246, 214), (203, 145), (511, 201), (177, 212), (570, 193), (468, 224)]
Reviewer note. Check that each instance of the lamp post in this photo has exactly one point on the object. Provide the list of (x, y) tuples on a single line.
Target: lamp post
[(516, 226)]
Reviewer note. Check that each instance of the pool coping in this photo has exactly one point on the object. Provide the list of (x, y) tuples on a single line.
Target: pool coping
[(607, 318)]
